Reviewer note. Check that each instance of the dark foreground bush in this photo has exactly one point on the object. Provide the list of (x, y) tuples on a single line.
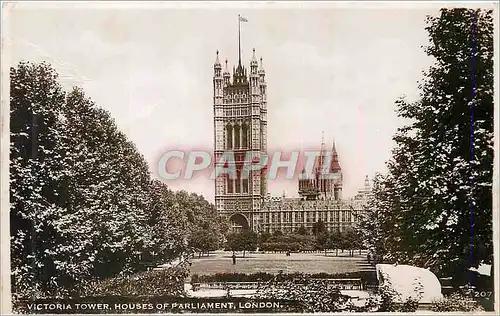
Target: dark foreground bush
[(168, 282), (456, 303), (313, 295)]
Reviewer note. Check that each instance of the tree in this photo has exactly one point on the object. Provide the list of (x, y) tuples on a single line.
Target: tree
[(107, 179), (318, 228), (302, 230), (245, 240), (439, 185), (334, 240), (277, 232), (264, 237), (200, 215), (351, 240), (203, 240), (36, 103), (377, 227), (322, 241), (169, 225), (83, 205)]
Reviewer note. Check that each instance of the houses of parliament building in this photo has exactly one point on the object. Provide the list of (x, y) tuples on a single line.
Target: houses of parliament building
[(240, 125)]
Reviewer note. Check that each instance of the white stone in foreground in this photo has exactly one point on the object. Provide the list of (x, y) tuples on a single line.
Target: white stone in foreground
[(404, 280)]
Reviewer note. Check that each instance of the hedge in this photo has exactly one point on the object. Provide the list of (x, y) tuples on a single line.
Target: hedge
[(149, 283), (368, 277)]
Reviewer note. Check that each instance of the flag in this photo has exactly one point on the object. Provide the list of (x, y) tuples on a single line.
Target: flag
[(242, 19)]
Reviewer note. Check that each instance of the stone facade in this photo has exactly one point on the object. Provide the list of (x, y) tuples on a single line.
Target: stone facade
[(288, 214), (240, 126)]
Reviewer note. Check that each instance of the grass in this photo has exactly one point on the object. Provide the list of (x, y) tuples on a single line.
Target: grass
[(221, 262)]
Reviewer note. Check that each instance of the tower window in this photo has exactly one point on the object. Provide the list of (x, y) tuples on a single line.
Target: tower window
[(245, 136), (229, 140), (238, 185), (237, 136)]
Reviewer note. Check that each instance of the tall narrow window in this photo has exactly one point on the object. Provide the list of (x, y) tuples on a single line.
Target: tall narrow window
[(229, 185), (245, 185), (237, 136), (245, 136), (238, 185), (229, 138)]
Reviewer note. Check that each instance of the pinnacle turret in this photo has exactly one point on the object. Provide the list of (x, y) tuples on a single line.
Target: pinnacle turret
[(334, 162), (253, 62), (217, 62), (217, 67)]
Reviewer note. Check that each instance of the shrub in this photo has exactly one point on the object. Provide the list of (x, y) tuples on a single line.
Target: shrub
[(456, 303), (165, 282), (409, 306), (311, 295)]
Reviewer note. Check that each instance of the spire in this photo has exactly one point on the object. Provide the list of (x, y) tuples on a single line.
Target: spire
[(322, 141), (253, 65), (226, 70), (367, 183), (322, 151), (334, 163), (217, 62)]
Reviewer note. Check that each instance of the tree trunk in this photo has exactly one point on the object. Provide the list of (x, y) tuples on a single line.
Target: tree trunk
[(336, 252), (243, 253)]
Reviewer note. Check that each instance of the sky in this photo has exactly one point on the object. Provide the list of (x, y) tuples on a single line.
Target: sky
[(332, 68)]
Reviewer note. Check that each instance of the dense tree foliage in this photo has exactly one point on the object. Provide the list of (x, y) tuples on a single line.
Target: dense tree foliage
[(245, 240), (324, 240), (83, 203), (204, 240), (302, 230), (434, 207)]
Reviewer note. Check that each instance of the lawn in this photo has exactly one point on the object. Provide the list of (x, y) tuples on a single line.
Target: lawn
[(221, 262)]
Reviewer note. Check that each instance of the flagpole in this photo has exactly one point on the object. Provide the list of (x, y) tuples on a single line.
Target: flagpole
[(239, 40)]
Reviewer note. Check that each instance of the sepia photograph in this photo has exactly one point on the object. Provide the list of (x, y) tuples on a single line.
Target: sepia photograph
[(249, 157)]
